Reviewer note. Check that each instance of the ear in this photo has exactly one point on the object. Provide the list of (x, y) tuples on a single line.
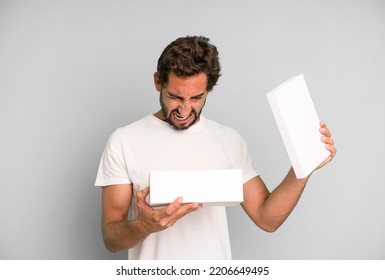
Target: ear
[(157, 83)]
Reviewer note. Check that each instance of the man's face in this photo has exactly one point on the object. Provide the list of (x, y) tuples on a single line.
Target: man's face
[(182, 99)]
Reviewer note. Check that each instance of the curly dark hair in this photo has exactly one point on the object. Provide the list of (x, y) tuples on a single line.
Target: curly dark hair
[(188, 56)]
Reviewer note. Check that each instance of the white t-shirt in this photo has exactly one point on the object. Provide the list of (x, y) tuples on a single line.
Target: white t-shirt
[(152, 144)]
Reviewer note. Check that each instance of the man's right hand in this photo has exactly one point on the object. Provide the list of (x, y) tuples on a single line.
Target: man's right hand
[(154, 220)]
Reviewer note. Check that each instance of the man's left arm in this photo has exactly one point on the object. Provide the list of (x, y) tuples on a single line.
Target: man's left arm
[(270, 210)]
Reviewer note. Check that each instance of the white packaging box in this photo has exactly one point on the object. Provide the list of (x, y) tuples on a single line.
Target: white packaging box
[(210, 187), (298, 124)]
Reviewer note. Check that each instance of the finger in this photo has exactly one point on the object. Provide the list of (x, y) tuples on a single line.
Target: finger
[(327, 140), (325, 132), (188, 208), (179, 213), (172, 207)]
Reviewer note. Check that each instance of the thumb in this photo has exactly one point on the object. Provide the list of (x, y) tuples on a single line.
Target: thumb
[(142, 194), (146, 191)]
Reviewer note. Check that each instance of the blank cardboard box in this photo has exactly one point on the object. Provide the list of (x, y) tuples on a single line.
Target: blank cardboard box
[(298, 124), (209, 187)]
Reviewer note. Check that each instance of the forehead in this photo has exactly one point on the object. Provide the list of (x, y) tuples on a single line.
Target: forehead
[(187, 85)]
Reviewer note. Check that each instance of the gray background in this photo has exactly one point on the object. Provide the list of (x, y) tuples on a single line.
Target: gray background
[(73, 71)]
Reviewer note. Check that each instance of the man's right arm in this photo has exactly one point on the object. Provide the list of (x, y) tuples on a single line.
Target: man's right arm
[(119, 233)]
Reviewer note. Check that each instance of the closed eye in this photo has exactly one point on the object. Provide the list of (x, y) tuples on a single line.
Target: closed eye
[(197, 97), (174, 97), (180, 98)]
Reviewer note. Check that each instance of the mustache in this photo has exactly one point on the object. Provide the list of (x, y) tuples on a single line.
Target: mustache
[(176, 112)]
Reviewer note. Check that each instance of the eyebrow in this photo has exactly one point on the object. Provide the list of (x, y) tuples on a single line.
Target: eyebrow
[(175, 95)]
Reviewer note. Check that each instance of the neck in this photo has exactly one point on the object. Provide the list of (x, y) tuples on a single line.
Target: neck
[(159, 115)]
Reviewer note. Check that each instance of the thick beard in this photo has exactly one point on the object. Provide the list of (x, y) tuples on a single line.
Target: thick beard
[(167, 115)]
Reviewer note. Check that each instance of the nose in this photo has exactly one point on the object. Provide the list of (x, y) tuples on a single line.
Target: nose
[(184, 109)]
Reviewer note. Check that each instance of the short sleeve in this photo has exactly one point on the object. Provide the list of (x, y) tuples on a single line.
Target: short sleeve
[(240, 156), (112, 167)]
